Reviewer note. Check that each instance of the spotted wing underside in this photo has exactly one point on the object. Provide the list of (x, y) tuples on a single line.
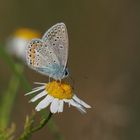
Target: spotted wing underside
[(49, 54), (40, 56), (57, 38)]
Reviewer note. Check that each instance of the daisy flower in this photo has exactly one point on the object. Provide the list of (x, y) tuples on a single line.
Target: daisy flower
[(56, 94), (17, 42)]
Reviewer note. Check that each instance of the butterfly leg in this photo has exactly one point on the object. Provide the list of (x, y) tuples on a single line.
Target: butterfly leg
[(59, 81), (49, 79)]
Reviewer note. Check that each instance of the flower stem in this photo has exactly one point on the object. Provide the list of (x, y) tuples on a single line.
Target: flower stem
[(29, 129), (43, 122)]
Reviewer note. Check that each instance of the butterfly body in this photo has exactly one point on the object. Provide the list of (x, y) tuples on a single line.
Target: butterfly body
[(55, 71), (49, 54)]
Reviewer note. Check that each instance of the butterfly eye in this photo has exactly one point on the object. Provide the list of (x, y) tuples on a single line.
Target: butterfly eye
[(66, 72)]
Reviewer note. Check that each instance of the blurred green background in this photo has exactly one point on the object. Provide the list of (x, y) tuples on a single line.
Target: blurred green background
[(104, 61)]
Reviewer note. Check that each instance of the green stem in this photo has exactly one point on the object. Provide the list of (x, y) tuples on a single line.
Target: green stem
[(30, 129), (42, 123), (8, 99)]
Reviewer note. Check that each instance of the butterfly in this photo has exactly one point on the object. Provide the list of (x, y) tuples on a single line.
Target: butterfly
[(49, 55)]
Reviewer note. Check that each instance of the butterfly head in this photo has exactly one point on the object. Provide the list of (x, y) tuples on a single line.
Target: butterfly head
[(66, 73)]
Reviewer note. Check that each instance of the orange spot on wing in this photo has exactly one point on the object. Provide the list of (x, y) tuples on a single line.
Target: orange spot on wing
[(32, 54)]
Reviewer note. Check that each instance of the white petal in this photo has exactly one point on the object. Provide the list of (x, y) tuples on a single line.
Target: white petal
[(35, 90), (44, 103), (38, 87), (43, 93), (67, 101), (61, 105), (81, 102), (38, 83), (78, 106), (73, 103), (82, 110), (54, 106)]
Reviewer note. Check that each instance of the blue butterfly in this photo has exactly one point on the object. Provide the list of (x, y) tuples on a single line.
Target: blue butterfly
[(49, 55)]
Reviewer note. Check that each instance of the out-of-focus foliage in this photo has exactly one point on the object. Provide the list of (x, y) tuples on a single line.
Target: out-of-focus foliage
[(28, 127), (8, 133)]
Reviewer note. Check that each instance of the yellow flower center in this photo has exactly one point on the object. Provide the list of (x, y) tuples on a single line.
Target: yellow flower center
[(59, 90), (27, 33)]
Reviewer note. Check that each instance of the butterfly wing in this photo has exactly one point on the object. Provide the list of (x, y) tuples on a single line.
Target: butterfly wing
[(40, 57), (57, 38)]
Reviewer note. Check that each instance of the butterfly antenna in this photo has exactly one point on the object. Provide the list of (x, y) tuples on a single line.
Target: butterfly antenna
[(72, 81)]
